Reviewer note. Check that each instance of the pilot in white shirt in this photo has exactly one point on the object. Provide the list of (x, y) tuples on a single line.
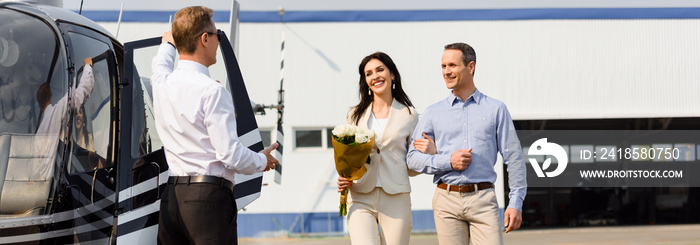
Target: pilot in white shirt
[(195, 120)]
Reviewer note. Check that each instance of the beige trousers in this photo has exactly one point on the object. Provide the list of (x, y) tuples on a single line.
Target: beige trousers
[(379, 218), (461, 218)]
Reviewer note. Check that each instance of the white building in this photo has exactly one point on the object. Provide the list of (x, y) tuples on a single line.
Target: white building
[(545, 59)]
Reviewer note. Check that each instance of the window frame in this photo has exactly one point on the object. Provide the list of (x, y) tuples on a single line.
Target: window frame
[(265, 129), (325, 144), (75, 69)]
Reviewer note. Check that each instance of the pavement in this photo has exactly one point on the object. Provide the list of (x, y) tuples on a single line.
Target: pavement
[(617, 235)]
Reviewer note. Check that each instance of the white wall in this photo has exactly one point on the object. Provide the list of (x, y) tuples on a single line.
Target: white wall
[(545, 69)]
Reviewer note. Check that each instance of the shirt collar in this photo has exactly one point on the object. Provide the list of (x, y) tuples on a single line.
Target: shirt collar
[(476, 97), (193, 66)]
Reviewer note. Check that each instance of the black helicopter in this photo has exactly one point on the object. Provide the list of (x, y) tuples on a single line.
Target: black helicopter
[(79, 160)]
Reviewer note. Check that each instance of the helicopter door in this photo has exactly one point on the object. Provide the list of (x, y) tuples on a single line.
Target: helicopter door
[(90, 172), (142, 183)]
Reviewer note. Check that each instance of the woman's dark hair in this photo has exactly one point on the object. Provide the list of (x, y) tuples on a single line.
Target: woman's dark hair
[(365, 98)]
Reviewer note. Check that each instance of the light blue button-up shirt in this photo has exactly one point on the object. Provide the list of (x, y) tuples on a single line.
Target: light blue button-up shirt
[(481, 123)]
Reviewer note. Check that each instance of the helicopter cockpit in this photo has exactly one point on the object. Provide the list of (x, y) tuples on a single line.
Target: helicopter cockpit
[(30, 76), (47, 111)]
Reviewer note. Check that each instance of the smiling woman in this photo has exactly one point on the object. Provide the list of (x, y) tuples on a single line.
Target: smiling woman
[(384, 190)]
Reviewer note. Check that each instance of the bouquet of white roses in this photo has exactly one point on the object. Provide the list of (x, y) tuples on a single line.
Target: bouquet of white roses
[(351, 148), (352, 135)]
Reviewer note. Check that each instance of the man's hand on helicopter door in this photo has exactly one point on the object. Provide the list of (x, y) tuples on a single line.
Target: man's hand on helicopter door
[(87, 61), (168, 37)]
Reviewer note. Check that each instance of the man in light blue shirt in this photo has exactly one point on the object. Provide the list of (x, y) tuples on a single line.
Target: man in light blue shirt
[(469, 130)]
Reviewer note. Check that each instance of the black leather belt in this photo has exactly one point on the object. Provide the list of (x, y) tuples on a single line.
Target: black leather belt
[(465, 188), (186, 180)]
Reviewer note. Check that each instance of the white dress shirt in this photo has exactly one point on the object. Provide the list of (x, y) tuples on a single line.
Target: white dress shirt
[(196, 122), (53, 114)]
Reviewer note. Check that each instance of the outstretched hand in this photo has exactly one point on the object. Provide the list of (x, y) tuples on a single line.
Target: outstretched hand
[(271, 161)]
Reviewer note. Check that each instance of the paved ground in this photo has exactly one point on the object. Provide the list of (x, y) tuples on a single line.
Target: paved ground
[(660, 234)]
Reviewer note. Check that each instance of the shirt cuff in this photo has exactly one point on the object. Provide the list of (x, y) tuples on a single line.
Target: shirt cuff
[(443, 163), (87, 68), (167, 47), (264, 162), (516, 204)]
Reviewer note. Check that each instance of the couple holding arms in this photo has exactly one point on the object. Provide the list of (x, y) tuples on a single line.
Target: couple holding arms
[(456, 139)]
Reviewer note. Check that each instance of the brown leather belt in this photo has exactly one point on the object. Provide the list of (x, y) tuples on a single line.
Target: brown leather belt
[(465, 188), (179, 180)]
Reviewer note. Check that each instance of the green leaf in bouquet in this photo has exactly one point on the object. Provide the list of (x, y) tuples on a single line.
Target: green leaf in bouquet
[(347, 140)]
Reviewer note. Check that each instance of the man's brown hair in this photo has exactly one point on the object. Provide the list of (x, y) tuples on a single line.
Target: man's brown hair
[(189, 24), (43, 95)]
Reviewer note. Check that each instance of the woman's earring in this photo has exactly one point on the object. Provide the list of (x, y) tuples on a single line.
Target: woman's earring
[(393, 84), (369, 92)]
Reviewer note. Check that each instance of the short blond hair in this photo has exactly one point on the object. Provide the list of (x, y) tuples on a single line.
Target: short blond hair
[(188, 26)]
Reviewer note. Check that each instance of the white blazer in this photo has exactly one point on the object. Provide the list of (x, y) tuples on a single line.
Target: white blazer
[(388, 157)]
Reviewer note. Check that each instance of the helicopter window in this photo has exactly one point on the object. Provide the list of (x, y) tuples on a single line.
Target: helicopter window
[(144, 136), (33, 105), (28, 51), (266, 135), (92, 117)]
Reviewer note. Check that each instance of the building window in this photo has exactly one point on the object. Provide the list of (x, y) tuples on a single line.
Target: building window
[(309, 138), (329, 138), (317, 138), (266, 135)]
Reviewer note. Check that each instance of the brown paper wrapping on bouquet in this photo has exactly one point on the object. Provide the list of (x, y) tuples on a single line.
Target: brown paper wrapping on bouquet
[(350, 163), (350, 159)]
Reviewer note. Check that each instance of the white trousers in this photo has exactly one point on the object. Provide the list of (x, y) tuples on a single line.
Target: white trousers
[(379, 218)]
